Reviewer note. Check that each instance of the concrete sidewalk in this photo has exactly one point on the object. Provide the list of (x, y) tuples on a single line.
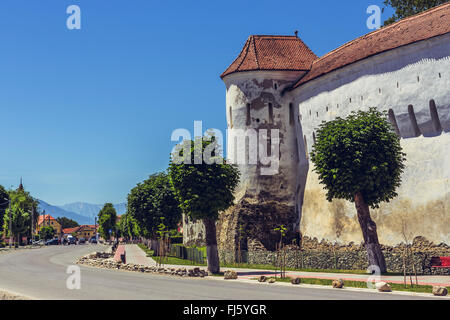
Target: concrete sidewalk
[(135, 255)]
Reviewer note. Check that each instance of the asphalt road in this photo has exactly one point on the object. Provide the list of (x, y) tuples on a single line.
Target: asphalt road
[(41, 274)]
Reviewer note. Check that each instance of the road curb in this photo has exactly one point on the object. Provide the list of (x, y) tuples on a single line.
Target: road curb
[(317, 286)]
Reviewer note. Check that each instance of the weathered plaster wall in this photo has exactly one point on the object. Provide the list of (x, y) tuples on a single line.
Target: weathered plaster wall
[(193, 232), (408, 81), (263, 201), (408, 76)]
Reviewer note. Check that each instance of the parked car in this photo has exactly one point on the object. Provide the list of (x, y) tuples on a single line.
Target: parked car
[(81, 240), (38, 243), (52, 242), (93, 240), (72, 240)]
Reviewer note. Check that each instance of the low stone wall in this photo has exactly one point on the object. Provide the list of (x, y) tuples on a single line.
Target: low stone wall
[(105, 260), (324, 255)]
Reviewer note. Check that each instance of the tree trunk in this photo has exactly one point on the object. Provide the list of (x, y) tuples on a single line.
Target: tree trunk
[(369, 231), (211, 246)]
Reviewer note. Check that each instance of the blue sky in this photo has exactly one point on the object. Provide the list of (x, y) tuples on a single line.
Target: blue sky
[(86, 114)]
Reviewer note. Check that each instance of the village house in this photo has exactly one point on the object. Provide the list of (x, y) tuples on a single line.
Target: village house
[(83, 231), (47, 220)]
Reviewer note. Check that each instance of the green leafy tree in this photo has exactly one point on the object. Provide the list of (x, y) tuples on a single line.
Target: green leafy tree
[(22, 205), (282, 249), (204, 189), (47, 233), (163, 238), (360, 159), (406, 8), (4, 198), (128, 227), (149, 201), (67, 223), (107, 218)]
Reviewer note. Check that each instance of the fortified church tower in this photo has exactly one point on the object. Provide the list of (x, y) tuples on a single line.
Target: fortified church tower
[(261, 118)]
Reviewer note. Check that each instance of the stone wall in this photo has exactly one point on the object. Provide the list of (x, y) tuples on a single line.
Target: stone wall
[(254, 219), (325, 255)]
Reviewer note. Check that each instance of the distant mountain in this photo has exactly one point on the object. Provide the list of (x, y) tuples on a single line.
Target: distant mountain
[(91, 210), (57, 212)]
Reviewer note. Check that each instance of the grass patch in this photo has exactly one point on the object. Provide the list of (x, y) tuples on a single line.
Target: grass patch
[(144, 248), (362, 284), (178, 261), (271, 267), (168, 260)]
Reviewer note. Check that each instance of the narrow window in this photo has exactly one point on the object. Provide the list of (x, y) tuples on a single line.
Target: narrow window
[(337, 106), (275, 85), (270, 113), (397, 85), (291, 114), (412, 118), (379, 90), (362, 98), (393, 121), (418, 79), (435, 117), (439, 75), (306, 147), (327, 109), (314, 137), (231, 118), (247, 122), (269, 143), (317, 113), (350, 100)]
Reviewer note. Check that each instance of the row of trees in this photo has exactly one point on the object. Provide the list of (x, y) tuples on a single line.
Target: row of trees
[(200, 189), (358, 159), (17, 208)]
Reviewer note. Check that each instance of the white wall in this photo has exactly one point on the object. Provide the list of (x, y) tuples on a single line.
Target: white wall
[(410, 75), (258, 90)]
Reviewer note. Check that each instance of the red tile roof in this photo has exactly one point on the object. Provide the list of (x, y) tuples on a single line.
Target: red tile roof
[(70, 230), (428, 24), (272, 53), (76, 229), (47, 218)]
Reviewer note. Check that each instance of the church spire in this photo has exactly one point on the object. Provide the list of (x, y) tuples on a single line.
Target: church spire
[(20, 185)]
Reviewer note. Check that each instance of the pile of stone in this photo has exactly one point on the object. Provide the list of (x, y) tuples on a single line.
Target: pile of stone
[(383, 287), (105, 260), (262, 279), (338, 283), (440, 291), (230, 275)]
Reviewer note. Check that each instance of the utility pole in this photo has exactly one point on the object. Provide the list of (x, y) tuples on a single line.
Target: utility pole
[(32, 224), (10, 224), (95, 227)]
